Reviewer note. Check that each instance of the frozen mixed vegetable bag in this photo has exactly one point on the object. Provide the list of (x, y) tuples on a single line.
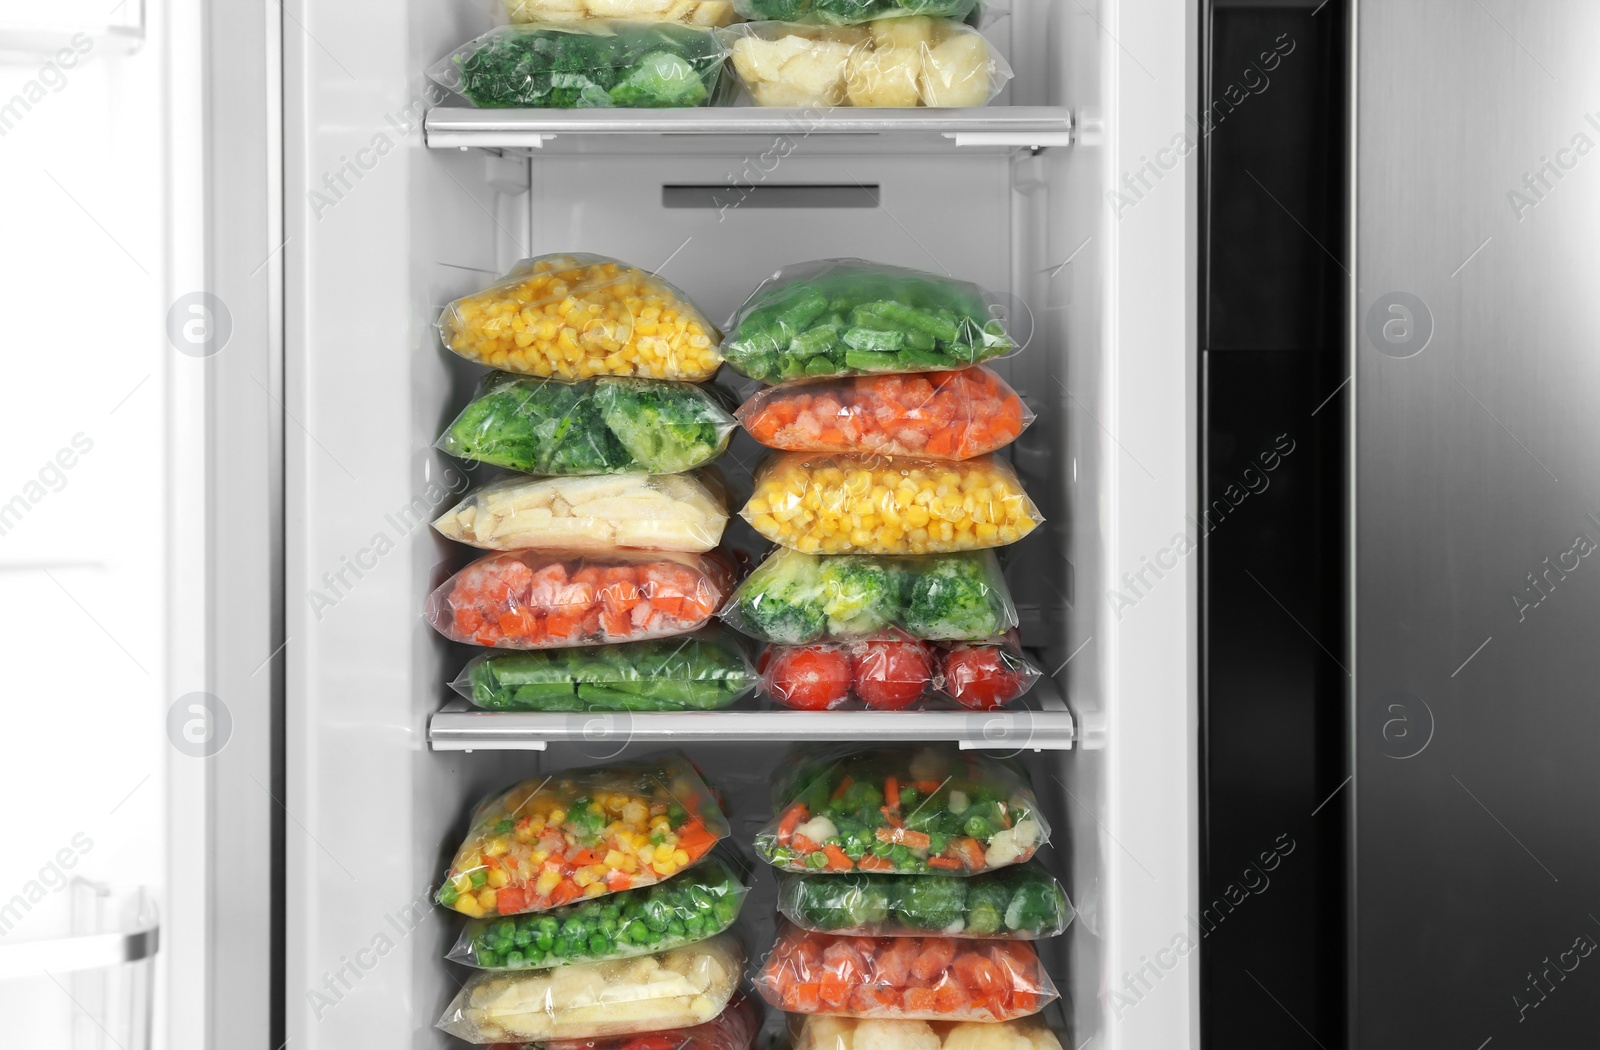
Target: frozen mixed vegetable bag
[(735, 1028), (1022, 903), (842, 317), (691, 12), (894, 673), (582, 833), (579, 316), (849, 12), (819, 1032)]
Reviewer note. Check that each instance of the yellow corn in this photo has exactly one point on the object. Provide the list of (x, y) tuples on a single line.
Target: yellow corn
[(498, 878), (467, 904)]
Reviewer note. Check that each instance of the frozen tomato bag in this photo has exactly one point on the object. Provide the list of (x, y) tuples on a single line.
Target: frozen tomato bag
[(1021, 903), (582, 833), (550, 600), (895, 673), (936, 415), (904, 978), (901, 811), (820, 1032)]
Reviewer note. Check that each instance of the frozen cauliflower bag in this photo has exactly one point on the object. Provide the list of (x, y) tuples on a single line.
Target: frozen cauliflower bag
[(889, 63), (818, 1032), (689, 12)]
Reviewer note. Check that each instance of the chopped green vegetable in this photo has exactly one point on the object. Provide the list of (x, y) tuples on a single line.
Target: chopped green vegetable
[(849, 12), (1020, 903), (933, 903)]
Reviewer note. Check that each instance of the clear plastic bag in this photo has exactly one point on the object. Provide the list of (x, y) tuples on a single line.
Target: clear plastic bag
[(735, 1028), (834, 503), (846, 317), (935, 415), (794, 599), (901, 811), (552, 600), (816, 1032), (704, 671), (609, 425), (849, 12), (689, 12), (889, 63), (667, 512), (699, 902), (1022, 903), (896, 674), (551, 840), (904, 978), (674, 989), (596, 64), (579, 316)]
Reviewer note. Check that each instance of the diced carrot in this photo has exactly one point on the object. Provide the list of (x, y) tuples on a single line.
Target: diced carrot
[(935, 958), (566, 890), (509, 900), (616, 623), (583, 858), (943, 863), (803, 844), (939, 443), (618, 880), (950, 997), (844, 785), (894, 966), (792, 818), (971, 853), (891, 792), (979, 975), (920, 1001), (803, 997), (838, 860), (833, 989), (926, 787), (873, 862), (905, 837)]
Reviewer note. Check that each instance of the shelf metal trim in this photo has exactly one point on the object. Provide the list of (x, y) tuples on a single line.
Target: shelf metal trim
[(66, 954)]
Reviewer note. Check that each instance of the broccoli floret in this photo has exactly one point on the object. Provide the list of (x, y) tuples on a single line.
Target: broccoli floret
[(841, 903), (665, 429), (782, 600), (660, 79), (987, 901), (954, 597), (846, 12), (933, 902), (1038, 905), (582, 73), (857, 596)]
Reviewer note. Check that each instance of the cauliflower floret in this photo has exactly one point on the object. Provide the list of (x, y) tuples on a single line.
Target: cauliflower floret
[(885, 77), (957, 72), (713, 13), (972, 1036), (644, 9), (545, 10), (1043, 1038), (895, 1035), (817, 829), (755, 59), (903, 32), (1011, 845), (819, 71), (827, 1033)]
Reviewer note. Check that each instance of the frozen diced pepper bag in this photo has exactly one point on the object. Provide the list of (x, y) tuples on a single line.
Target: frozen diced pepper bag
[(690, 12), (821, 1032), (735, 1028), (896, 674), (1021, 903), (579, 316), (849, 12), (583, 833)]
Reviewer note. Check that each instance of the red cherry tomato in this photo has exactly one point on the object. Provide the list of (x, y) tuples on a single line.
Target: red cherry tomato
[(810, 677), (981, 678), (891, 676)]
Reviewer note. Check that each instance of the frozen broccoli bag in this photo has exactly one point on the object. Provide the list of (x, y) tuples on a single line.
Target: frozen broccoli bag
[(1022, 903), (690, 12), (673, 989), (609, 425), (672, 512), (704, 671), (594, 64), (821, 1032), (901, 811), (849, 12)]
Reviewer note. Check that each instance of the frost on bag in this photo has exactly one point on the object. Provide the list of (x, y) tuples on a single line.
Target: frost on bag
[(704, 671), (670, 512), (679, 988), (586, 65), (904, 978), (890, 63), (582, 833), (849, 12), (843, 317), (735, 1028), (935, 415), (690, 12), (837, 503), (539, 600), (579, 316), (815, 1032), (901, 811), (1023, 903), (609, 425), (895, 673), (697, 903)]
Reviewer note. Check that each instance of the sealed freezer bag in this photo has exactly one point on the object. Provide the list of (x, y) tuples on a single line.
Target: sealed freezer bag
[(579, 316), (735, 1028), (704, 671), (849, 12), (796, 598), (901, 811), (673, 989), (586, 65), (844, 317), (699, 902), (833, 503), (819, 1032), (551, 600), (896, 674), (904, 978), (690, 12), (582, 833), (669, 512), (1022, 903), (890, 63), (608, 425), (935, 415)]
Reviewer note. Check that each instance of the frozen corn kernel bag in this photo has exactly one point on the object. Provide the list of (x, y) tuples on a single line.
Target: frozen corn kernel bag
[(551, 600), (670, 512), (894, 673), (833, 503), (889, 63), (845, 317), (735, 1028), (689, 12), (705, 671), (1022, 903), (582, 833), (580, 316), (849, 12), (935, 415), (822, 1032), (904, 978), (901, 811), (609, 425), (674, 989)]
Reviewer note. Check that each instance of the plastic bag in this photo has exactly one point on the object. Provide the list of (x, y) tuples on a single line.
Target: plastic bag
[(905, 978), (735, 1028), (673, 989), (895, 673), (619, 827), (849, 12), (705, 671), (901, 811), (816, 1032), (845, 317), (668, 512), (936, 415), (596, 64), (833, 503), (795, 598), (890, 63), (1022, 904), (539, 600), (691, 12), (609, 425), (578, 316)]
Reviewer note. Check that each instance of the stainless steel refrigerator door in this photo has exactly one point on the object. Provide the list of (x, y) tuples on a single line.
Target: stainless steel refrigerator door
[(1477, 377)]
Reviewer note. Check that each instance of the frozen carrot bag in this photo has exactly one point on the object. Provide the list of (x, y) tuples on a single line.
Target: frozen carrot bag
[(820, 1032), (904, 978)]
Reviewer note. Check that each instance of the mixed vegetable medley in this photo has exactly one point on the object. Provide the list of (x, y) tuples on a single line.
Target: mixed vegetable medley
[(1018, 903), (895, 673), (667, 512)]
